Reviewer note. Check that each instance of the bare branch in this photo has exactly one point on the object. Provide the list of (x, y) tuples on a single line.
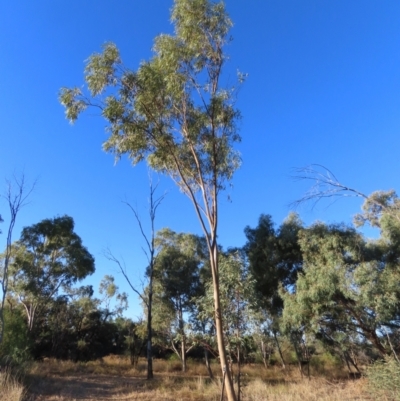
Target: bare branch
[(16, 196), (122, 268), (326, 185), (139, 221), (154, 203)]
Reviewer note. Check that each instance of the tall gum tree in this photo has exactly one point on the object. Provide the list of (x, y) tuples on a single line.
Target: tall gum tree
[(173, 112)]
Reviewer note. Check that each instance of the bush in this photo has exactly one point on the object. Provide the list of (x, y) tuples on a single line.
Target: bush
[(16, 343), (173, 358), (384, 379), (325, 362)]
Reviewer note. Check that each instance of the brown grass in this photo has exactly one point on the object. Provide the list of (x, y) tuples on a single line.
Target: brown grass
[(113, 378), (11, 388), (316, 389)]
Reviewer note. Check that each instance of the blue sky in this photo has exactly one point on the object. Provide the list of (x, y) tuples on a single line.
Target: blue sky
[(323, 87)]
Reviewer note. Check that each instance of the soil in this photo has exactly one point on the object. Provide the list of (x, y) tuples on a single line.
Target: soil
[(86, 387)]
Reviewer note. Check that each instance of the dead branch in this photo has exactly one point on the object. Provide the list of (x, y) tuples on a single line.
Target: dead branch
[(325, 185), (16, 196)]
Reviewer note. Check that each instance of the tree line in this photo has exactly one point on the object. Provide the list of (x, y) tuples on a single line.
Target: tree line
[(324, 286)]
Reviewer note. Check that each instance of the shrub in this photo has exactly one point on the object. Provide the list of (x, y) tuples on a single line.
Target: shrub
[(384, 379), (16, 344)]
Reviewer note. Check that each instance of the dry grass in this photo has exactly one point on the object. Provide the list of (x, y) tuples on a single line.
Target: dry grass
[(113, 378), (11, 388), (316, 389)]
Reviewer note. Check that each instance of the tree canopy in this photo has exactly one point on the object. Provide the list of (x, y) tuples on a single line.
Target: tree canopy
[(48, 256)]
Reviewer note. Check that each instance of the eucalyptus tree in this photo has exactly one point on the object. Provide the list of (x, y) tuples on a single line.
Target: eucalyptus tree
[(349, 286), (275, 260), (48, 256), (327, 186), (177, 273), (173, 112), (374, 275), (236, 286), (110, 292)]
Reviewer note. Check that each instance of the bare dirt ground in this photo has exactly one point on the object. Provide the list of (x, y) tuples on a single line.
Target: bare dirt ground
[(87, 387)]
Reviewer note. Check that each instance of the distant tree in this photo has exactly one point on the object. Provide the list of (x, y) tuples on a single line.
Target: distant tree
[(177, 275), (58, 328), (48, 256), (75, 325), (275, 260), (236, 286), (174, 112), (371, 280), (110, 292), (348, 285), (134, 337), (274, 257)]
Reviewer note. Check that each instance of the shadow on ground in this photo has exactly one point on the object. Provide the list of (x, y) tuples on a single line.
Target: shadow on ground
[(85, 387)]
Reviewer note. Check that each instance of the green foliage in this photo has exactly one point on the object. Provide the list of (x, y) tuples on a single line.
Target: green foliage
[(326, 251), (177, 267), (346, 285), (176, 284), (325, 362), (110, 292), (16, 342), (236, 284), (80, 328), (378, 205), (48, 256), (384, 379), (171, 110), (274, 257)]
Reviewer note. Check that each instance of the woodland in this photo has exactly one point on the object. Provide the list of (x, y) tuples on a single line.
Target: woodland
[(296, 303)]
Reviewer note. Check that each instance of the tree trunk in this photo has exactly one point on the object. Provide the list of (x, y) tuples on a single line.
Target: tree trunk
[(264, 354), (183, 339), (350, 359), (298, 355), (149, 329), (238, 376), (347, 362), (228, 383), (279, 351), (208, 366), (183, 352)]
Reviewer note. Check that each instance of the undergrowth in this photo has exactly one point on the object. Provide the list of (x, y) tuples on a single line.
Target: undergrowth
[(11, 386), (121, 381), (384, 379)]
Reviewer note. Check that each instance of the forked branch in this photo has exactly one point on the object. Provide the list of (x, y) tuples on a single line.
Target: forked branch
[(325, 185)]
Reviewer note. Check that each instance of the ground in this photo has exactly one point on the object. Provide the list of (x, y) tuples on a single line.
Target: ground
[(87, 387), (114, 379)]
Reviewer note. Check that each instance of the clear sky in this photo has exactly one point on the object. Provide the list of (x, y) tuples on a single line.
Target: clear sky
[(323, 87)]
